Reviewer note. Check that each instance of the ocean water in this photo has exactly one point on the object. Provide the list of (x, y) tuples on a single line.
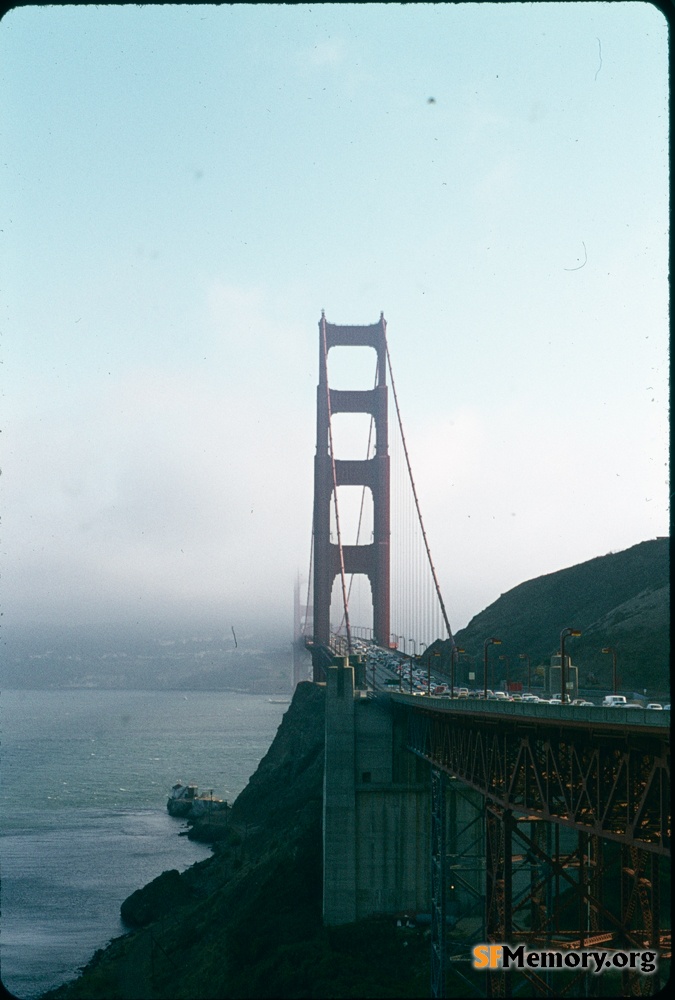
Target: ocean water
[(84, 778)]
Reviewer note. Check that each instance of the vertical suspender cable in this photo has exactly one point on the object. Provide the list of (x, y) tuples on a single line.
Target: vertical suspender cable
[(417, 506), (335, 497)]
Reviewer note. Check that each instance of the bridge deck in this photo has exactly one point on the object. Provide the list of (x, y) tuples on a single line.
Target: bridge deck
[(580, 716)]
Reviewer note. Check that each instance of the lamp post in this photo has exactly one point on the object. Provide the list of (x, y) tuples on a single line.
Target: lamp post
[(505, 657), (611, 649), (453, 659), (563, 635), (488, 642), (409, 664), (524, 656), (471, 670), (429, 671)]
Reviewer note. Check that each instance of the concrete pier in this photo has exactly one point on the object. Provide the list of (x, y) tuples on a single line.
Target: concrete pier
[(376, 825)]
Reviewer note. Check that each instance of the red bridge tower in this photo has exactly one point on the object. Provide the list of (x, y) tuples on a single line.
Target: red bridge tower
[(373, 559)]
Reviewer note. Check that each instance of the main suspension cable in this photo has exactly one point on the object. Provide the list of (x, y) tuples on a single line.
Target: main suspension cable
[(417, 505), (309, 579)]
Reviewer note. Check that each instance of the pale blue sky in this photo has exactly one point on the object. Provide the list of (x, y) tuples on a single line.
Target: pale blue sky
[(185, 188)]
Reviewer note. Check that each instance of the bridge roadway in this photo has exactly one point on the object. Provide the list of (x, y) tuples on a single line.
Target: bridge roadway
[(602, 771), (562, 832)]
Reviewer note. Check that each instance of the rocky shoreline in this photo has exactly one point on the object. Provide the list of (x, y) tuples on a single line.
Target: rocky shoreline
[(246, 922)]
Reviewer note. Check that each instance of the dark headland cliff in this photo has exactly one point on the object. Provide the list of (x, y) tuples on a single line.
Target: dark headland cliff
[(246, 922)]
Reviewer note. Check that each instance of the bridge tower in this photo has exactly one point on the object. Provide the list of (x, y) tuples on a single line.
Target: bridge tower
[(372, 559)]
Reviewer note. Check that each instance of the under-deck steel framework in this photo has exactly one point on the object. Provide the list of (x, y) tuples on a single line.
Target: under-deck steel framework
[(577, 832)]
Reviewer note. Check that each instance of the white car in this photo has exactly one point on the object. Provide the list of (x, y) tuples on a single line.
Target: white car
[(614, 701), (654, 705)]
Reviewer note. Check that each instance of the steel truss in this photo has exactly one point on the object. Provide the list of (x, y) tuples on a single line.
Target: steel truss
[(438, 883), (577, 839), (608, 782)]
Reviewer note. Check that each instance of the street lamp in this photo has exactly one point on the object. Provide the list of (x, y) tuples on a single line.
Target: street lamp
[(524, 656), (611, 649), (453, 659), (488, 642), (505, 657), (563, 635), (429, 671)]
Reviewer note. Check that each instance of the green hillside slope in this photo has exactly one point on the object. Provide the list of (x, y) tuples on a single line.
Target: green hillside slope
[(620, 600)]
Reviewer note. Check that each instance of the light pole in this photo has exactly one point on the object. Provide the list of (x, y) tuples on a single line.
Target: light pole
[(488, 642), (524, 656), (563, 635), (611, 649), (471, 670), (429, 671), (505, 657), (401, 639), (453, 659)]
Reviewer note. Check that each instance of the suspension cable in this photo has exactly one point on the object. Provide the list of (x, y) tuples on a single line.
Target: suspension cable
[(335, 496), (417, 505), (309, 580)]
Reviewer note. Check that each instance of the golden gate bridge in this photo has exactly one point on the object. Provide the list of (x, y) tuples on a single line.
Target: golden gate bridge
[(574, 803), (371, 573)]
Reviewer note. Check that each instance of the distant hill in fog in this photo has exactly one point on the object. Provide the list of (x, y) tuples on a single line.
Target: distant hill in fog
[(621, 599), (142, 657)]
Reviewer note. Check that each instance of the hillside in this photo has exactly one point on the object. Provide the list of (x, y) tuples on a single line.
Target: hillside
[(621, 599)]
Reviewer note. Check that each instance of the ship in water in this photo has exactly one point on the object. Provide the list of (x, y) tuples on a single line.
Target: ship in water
[(186, 801)]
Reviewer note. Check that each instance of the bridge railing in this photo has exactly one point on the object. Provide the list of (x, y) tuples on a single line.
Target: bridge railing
[(578, 714)]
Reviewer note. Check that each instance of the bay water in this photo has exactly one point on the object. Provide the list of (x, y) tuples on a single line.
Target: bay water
[(84, 779)]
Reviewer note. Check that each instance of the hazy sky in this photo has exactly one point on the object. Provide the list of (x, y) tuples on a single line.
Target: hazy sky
[(185, 188)]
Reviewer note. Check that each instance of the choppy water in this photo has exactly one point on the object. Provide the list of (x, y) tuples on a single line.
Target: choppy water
[(84, 777)]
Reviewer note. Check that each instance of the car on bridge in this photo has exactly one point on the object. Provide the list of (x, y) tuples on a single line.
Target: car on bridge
[(614, 701)]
